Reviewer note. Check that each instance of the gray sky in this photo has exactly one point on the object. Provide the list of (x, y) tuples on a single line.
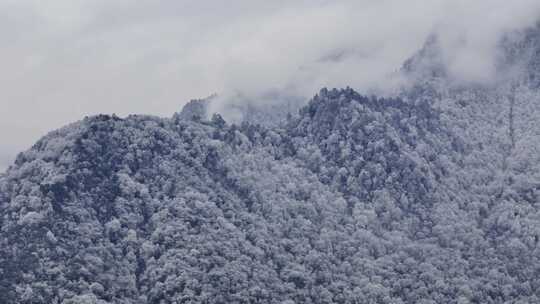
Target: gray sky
[(64, 59)]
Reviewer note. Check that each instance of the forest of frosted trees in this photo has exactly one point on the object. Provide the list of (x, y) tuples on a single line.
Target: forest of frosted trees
[(431, 196)]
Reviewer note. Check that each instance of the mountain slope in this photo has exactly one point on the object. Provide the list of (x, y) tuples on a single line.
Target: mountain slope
[(431, 197)]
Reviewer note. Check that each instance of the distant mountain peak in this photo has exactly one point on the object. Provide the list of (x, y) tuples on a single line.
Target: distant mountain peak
[(516, 60), (428, 62)]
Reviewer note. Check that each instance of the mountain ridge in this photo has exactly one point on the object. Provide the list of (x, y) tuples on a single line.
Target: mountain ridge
[(428, 197)]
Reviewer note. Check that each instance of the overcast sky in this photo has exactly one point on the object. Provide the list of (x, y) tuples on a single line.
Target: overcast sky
[(61, 60)]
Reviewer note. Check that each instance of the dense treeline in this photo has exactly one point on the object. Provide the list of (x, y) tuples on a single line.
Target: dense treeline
[(347, 203), (427, 198)]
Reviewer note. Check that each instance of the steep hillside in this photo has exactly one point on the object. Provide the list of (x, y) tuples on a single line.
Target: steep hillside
[(431, 197)]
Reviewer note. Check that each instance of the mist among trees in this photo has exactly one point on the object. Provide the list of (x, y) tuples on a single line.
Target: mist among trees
[(430, 196)]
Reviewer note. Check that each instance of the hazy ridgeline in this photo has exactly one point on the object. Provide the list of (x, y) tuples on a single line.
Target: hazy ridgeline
[(431, 196)]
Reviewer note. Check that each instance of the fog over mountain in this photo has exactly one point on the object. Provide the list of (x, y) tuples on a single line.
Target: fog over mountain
[(419, 186), (68, 59)]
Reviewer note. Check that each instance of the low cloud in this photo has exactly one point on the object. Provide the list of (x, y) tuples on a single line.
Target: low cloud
[(471, 31), (66, 59)]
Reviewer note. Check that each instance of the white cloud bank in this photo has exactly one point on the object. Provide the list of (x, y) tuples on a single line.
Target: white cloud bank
[(64, 59)]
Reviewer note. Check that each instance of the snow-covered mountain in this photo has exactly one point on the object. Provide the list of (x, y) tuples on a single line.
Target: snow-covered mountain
[(428, 197)]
